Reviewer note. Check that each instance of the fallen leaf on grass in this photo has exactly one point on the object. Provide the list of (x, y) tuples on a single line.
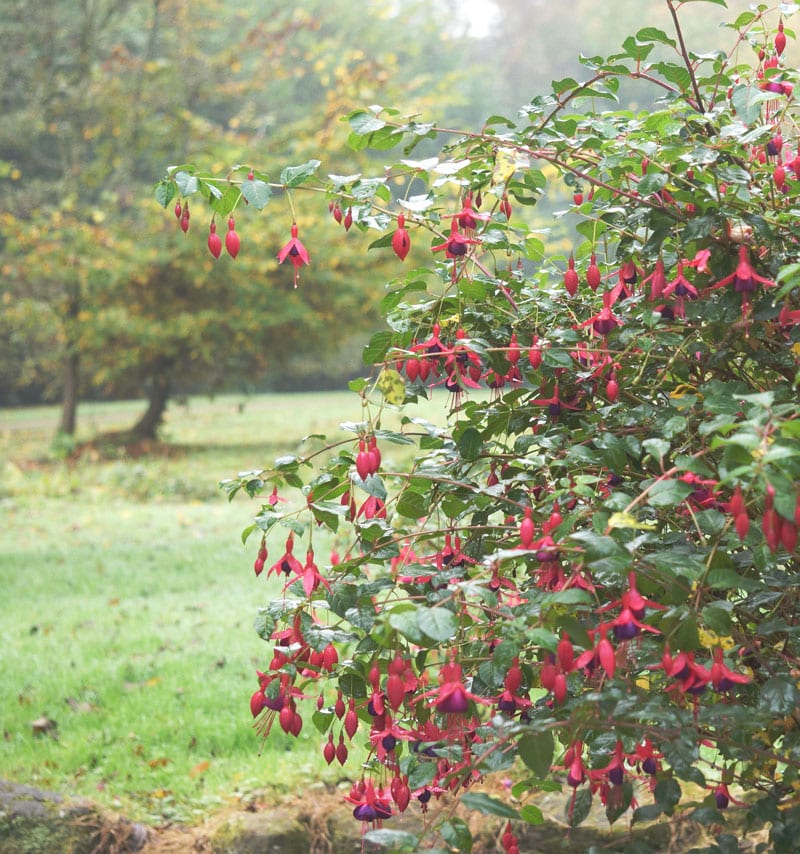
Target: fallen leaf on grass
[(159, 763), (79, 705), (200, 768), (44, 726)]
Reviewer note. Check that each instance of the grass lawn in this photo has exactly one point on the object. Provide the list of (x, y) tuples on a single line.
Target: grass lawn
[(128, 602)]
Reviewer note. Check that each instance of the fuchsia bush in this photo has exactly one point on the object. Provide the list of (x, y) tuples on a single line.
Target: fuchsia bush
[(587, 577)]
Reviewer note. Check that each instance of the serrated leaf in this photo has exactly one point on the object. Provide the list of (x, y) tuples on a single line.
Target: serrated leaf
[(294, 176), (165, 192), (363, 123), (187, 184), (439, 624), (257, 193)]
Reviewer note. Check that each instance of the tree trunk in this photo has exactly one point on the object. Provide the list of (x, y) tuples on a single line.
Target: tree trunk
[(69, 397), (147, 426), (72, 361)]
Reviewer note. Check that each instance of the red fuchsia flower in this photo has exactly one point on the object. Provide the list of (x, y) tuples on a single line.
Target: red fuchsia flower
[(682, 289), (704, 491), (722, 678), (571, 278), (601, 654), (287, 563), (372, 508), (573, 762), (452, 696), (467, 217), (604, 322), (646, 758), (456, 246), (629, 274), (513, 697), (311, 575), (214, 241), (723, 798), (370, 805), (261, 557), (780, 39), (401, 242), (593, 275), (657, 280), (745, 280), (628, 622), (295, 252), (692, 677)]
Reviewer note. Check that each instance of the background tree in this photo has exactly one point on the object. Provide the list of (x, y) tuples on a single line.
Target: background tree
[(106, 94)]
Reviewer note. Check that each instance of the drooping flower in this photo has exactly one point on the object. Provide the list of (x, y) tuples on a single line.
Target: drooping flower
[(745, 280), (456, 246), (295, 252)]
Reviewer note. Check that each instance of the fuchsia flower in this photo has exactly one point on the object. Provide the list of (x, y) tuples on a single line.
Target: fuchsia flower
[(287, 563), (401, 242), (467, 217), (745, 280), (628, 623), (456, 246), (295, 252), (722, 678), (604, 322), (370, 805)]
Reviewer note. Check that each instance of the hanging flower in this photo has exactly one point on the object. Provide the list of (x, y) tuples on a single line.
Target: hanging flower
[(295, 252), (401, 243)]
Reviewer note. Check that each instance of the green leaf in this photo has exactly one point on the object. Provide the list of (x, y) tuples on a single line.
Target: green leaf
[(294, 176), (412, 505), (376, 349), (536, 751), (363, 123), (257, 193), (578, 809), (405, 621), (470, 444), (653, 34), (456, 833), (165, 192), (531, 814), (668, 493), (187, 184), (747, 103), (488, 805), (439, 624), (779, 696)]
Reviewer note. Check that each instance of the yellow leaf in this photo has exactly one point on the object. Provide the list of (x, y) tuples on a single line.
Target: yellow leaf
[(628, 520), (710, 639), (506, 163), (392, 386)]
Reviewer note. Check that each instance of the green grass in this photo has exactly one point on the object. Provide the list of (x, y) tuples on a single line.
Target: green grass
[(128, 602)]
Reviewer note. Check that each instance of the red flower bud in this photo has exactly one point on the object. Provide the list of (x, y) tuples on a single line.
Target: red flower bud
[(571, 278), (214, 241), (232, 239)]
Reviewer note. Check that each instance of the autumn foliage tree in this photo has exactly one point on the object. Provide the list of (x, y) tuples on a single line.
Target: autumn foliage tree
[(586, 577)]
